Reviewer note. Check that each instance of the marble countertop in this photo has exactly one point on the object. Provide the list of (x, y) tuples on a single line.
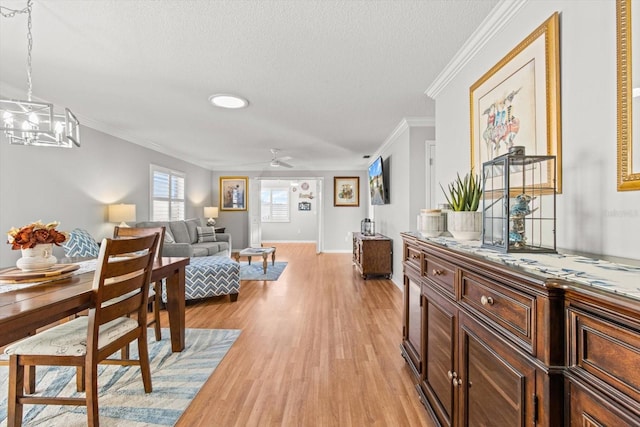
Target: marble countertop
[(619, 278)]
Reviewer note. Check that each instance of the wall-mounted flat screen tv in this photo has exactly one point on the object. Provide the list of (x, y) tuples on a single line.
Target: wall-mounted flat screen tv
[(377, 184)]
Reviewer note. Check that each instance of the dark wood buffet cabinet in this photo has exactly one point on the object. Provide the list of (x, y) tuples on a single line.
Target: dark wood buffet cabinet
[(494, 345)]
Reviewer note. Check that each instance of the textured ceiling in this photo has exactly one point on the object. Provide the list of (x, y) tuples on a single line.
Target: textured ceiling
[(327, 81)]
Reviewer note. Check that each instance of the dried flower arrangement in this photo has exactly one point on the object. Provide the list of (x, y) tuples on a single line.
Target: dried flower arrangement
[(35, 233)]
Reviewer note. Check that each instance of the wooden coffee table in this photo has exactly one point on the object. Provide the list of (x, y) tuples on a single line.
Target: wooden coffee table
[(251, 252)]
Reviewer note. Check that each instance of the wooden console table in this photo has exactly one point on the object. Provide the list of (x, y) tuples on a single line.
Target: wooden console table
[(372, 255)]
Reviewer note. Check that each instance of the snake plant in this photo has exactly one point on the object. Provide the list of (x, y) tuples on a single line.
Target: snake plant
[(464, 194)]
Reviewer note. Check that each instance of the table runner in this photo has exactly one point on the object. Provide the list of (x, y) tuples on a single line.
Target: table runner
[(85, 267)]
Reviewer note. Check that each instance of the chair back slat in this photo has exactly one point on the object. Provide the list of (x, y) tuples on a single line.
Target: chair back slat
[(119, 232), (115, 289), (121, 281), (123, 265), (124, 307)]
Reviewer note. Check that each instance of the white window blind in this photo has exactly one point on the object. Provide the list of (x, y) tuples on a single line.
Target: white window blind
[(274, 205), (167, 194)]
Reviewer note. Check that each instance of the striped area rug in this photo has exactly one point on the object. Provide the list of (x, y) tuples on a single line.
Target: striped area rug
[(176, 378)]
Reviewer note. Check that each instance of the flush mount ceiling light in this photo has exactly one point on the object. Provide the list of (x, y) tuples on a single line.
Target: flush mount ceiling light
[(35, 123), (225, 100)]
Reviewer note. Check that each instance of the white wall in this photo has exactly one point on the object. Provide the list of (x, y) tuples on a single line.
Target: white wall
[(75, 185), (338, 222), (303, 225), (403, 157), (592, 216)]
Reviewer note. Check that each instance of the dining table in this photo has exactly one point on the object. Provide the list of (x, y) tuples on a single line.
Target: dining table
[(24, 310)]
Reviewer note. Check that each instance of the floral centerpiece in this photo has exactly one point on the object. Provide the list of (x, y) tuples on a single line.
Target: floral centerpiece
[(36, 233), (36, 241)]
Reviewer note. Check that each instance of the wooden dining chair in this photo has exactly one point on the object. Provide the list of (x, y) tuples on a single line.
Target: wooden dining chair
[(117, 318), (155, 294)]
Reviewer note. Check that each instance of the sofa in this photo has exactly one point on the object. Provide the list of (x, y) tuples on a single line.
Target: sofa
[(190, 238)]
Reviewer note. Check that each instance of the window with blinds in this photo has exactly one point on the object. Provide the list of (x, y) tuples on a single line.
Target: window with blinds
[(167, 194), (274, 206)]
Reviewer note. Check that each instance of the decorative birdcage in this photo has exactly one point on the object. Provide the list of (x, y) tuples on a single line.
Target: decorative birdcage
[(519, 203)]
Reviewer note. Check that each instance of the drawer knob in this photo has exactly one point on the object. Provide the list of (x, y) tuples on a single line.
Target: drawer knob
[(451, 375), (437, 272), (456, 382), (415, 256), (485, 300)]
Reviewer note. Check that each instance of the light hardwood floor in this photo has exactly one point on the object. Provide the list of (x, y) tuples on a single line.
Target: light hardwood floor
[(319, 347)]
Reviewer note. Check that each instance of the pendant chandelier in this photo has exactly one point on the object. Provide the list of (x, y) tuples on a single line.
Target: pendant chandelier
[(35, 123)]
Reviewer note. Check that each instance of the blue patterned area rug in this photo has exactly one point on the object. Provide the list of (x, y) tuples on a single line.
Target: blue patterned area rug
[(176, 378), (255, 271)]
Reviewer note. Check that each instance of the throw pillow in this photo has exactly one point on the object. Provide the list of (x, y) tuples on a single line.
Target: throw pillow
[(168, 237), (206, 234), (81, 244)]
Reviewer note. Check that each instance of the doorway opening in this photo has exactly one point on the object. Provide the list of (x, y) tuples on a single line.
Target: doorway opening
[(285, 210)]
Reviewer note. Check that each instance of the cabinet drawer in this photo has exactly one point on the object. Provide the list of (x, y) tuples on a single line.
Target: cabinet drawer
[(442, 274), (511, 310), (413, 256), (605, 350)]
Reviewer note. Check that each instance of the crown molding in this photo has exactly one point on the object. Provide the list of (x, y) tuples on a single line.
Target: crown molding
[(497, 18), (11, 92), (119, 133), (405, 123)]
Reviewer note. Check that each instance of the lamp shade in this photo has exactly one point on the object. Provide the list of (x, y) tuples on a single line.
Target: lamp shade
[(211, 212), (122, 213)]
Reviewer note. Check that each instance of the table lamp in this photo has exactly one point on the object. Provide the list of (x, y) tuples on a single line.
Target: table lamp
[(122, 213), (211, 212)]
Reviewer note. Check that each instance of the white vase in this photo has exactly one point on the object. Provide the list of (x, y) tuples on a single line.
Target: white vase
[(40, 257), (431, 222), (464, 225)]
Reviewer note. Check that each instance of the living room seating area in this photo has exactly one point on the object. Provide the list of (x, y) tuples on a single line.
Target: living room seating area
[(211, 271), (189, 238)]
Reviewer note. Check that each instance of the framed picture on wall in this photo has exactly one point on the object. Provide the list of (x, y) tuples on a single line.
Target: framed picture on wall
[(346, 191), (517, 102), (233, 193), (304, 206)]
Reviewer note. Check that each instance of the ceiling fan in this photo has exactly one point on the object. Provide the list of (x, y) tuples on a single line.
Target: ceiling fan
[(279, 162)]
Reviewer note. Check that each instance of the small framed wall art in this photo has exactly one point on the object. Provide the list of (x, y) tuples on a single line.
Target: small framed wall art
[(233, 193), (346, 191), (304, 206)]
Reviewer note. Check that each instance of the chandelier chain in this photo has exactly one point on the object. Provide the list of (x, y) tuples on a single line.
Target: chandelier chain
[(10, 13), (29, 48)]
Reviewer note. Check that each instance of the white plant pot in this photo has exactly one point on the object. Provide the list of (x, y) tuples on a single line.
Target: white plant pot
[(37, 258), (464, 225)]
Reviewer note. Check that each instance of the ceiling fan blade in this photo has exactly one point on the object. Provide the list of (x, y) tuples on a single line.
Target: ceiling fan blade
[(278, 163)]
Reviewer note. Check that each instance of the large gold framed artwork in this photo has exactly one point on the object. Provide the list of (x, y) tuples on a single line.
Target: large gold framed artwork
[(517, 102), (628, 141)]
